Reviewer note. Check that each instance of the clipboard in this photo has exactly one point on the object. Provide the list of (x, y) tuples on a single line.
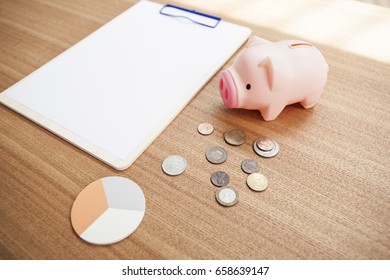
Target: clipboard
[(115, 91)]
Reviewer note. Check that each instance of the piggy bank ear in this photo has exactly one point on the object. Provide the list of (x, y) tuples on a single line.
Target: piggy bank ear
[(277, 71), (255, 41)]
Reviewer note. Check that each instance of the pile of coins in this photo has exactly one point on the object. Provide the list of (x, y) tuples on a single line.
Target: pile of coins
[(266, 147), (226, 195)]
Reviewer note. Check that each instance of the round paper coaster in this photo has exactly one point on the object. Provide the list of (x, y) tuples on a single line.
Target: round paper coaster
[(108, 210)]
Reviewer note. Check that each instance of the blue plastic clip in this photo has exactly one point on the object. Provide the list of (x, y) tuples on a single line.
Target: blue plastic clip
[(210, 20)]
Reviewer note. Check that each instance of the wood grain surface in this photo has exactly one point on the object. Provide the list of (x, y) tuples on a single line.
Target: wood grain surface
[(329, 191)]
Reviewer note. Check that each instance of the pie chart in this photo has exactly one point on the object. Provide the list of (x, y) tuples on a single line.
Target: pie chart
[(108, 210)]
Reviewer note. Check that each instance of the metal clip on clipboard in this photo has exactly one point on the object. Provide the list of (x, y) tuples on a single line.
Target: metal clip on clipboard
[(191, 15)]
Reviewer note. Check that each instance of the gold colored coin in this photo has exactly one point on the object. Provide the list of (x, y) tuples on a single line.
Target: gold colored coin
[(257, 182), (235, 136)]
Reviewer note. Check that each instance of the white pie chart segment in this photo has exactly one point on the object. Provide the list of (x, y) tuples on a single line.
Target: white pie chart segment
[(122, 193), (112, 226)]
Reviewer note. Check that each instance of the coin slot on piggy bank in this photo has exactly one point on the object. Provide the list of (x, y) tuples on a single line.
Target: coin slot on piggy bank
[(268, 76)]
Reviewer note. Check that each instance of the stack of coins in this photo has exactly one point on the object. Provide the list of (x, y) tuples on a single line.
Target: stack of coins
[(266, 147), (226, 195)]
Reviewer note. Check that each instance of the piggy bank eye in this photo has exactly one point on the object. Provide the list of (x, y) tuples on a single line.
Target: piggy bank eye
[(248, 86)]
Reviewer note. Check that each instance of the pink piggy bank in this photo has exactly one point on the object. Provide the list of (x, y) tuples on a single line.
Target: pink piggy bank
[(268, 76)]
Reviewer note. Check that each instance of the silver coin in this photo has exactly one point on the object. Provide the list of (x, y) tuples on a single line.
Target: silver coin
[(257, 182), (205, 128), (235, 136), (174, 165), (219, 178), (249, 166), (271, 153), (216, 155), (227, 196)]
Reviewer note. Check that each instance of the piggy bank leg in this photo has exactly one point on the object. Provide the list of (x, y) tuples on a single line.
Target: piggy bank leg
[(271, 112), (310, 101)]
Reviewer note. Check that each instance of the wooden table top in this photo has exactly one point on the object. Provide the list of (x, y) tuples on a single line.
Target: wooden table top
[(329, 190)]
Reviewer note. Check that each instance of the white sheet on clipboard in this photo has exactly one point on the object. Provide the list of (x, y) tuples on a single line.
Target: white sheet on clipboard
[(112, 93)]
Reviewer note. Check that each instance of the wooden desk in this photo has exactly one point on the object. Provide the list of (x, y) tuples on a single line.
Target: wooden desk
[(329, 193)]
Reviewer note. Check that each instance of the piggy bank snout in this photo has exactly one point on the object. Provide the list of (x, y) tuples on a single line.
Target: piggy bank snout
[(228, 89)]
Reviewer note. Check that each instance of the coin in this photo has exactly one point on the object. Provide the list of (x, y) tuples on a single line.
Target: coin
[(174, 165), (219, 178), (249, 166), (257, 182), (264, 144), (216, 155), (271, 153), (235, 136), (227, 196), (205, 128)]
